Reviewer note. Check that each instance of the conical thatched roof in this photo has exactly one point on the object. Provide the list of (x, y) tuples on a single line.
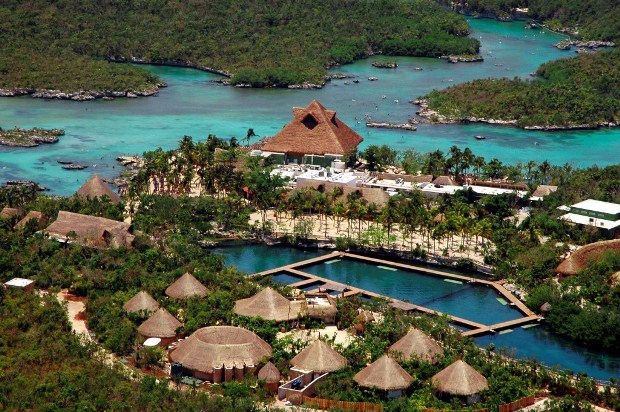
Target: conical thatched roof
[(161, 325), (185, 287), (460, 379), (319, 357), (416, 343), (385, 374), (215, 346), (444, 181), (269, 305), (141, 301), (96, 187), (269, 373), (314, 130), (545, 307)]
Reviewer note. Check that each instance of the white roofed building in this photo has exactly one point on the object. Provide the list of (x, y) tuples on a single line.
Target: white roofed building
[(595, 213)]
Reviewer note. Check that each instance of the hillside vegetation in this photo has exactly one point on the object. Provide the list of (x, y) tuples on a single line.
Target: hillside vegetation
[(590, 19), (261, 42), (570, 92)]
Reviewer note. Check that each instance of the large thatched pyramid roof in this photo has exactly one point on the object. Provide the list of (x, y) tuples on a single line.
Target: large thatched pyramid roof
[(185, 287), (385, 374), (417, 344), (460, 379), (579, 259), (269, 373), (160, 325), (141, 301), (314, 130), (319, 357), (217, 346), (269, 305), (96, 187)]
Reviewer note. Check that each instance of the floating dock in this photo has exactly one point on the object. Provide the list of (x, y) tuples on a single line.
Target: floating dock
[(475, 328)]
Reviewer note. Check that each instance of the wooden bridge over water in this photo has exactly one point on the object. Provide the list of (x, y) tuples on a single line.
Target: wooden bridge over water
[(308, 280)]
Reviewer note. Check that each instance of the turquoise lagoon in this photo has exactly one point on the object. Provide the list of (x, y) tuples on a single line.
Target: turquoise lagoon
[(480, 304), (97, 132)]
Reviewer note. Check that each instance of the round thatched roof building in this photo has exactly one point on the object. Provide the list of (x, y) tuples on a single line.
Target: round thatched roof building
[(579, 259), (269, 305), (161, 325), (460, 379), (417, 344), (141, 301), (96, 187), (185, 287), (211, 350), (385, 374), (319, 357)]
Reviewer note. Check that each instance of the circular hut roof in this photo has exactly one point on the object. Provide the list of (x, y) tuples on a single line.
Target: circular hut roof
[(161, 325), (269, 305), (215, 346), (319, 357), (417, 344), (141, 301), (269, 373), (185, 287), (385, 374), (96, 187), (460, 379), (579, 259)]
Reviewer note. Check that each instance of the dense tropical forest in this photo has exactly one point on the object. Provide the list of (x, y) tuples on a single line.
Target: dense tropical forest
[(590, 19), (573, 92), (262, 43)]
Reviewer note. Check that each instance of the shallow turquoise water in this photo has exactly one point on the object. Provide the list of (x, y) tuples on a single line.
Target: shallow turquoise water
[(97, 132), (473, 302), (536, 342)]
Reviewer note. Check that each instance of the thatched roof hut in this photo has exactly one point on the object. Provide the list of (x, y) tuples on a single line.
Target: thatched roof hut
[(91, 230), (374, 195), (615, 279), (579, 259), (320, 306), (319, 357), (160, 325), (209, 351), (314, 130), (141, 301), (545, 307), (385, 374), (269, 305), (9, 213), (542, 191), (444, 181), (269, 373), (33, 214), (185, 287), (95, 187), (459, 379), (417, 344)]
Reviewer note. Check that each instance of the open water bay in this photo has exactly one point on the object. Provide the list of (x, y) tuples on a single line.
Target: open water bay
[(97, 132)]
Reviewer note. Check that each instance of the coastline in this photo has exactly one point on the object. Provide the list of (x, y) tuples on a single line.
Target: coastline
[(18, 137), (81, 95), (434, 117)]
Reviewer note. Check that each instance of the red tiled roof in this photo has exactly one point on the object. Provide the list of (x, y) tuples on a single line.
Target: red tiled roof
[(314, 130)]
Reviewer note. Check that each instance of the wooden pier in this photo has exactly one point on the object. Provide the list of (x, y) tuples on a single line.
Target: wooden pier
[(476, 328)]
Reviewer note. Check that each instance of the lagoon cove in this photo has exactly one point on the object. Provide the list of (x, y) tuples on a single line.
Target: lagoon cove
[(191, 221)]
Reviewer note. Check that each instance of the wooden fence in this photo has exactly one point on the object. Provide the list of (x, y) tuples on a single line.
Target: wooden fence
[(521, 403), (326, 404)]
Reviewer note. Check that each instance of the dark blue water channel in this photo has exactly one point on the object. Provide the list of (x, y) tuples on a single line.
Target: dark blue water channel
[(471, 303)]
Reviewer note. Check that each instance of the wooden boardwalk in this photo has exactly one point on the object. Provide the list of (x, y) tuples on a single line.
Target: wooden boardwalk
[(476, 328)]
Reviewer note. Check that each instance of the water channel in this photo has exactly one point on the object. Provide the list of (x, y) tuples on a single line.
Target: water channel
[(97, 132), (478, 304)]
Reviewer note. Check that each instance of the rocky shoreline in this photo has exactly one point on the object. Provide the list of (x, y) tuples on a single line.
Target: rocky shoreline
[(432, 116), (81, 95), (384, 125), (29, 137), (463, 59)]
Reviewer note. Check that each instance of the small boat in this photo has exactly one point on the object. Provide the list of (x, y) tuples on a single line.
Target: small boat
[(480, 137)]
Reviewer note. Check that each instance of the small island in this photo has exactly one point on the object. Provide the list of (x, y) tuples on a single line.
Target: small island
[(385, 65), (29, 137)]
